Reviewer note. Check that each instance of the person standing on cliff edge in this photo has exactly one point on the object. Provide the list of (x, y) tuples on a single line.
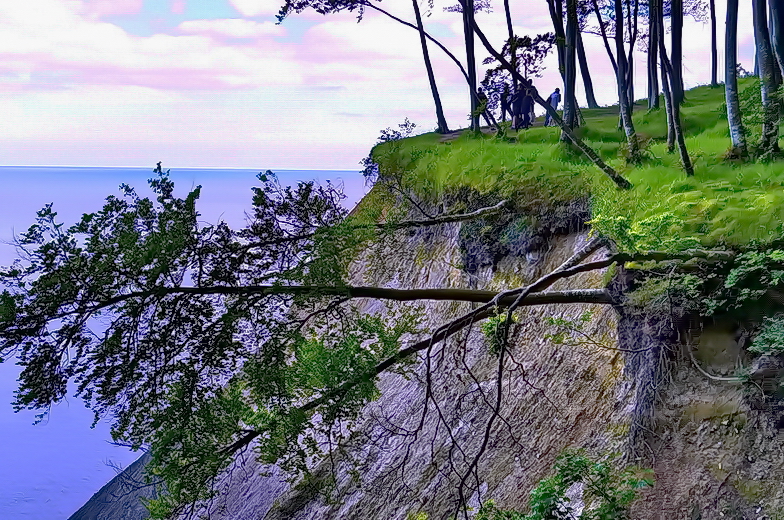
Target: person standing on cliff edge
[(554, 99)]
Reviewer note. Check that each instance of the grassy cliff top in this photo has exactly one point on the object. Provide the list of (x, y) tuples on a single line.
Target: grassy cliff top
[(724, 203)]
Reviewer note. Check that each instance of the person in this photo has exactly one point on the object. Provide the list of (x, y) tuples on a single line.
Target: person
[(517, 108), (553, 100), (527, 107), (506, 102), (482, 102)]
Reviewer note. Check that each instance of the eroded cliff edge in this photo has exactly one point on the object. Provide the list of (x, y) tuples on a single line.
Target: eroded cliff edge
[(713, 448)]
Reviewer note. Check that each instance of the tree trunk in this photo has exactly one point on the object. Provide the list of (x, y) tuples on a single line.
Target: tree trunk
[(674, 125), (774, 35), (676, 85), (756, 62), (443, 128), (632, 24), (714, 46), (556, 15), (605, 39), (653, 63), (770, 124), (569, 114), (513, 55), (623, 91), (777, 36), (737, 132), (585, 73), (468, 24)]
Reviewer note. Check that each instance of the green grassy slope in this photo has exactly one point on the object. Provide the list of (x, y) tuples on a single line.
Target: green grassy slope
[(723, 204)]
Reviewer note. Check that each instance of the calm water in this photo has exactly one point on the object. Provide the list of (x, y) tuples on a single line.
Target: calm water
[(49, 470)]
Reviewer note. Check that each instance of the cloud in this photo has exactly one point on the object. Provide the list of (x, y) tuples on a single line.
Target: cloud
[(60, 39), (232, 28), (178, 6), (256, 7), (102, 8)]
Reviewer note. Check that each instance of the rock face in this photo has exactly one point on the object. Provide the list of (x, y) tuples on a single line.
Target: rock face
[(119, 499), (623, 389)]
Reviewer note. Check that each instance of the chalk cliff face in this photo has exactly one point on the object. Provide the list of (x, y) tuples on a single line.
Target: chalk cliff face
[(711, 450)]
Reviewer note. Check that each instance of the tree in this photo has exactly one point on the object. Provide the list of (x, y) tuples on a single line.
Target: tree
[(621, 78), (442, 126), (770, 103), (714, 49), (675, 129), (737, 132), (585, 72), (676, 85), (777, 32), (527, 55), (570, 70), (653, 61)]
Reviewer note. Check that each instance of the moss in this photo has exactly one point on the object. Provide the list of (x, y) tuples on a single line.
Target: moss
[(753, 491), (618, 431)]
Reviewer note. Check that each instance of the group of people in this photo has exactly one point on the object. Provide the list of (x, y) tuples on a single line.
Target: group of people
[(520, 105)]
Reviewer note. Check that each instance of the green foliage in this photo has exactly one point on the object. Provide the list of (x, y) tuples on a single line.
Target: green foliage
[(724, 204), (493, 331), (770, 339), (607, 491), (204, 349), (572, 332)]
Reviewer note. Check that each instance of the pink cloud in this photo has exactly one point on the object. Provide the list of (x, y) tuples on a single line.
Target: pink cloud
[(178, 6), (102, 8)]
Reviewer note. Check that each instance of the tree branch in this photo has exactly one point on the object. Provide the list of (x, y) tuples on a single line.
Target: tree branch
[(433, 221), (440, 45)]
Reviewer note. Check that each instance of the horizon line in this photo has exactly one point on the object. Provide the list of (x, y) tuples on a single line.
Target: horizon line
[(176, 168)]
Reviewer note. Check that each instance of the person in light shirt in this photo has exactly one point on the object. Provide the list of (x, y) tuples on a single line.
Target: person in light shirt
[(554, 100)]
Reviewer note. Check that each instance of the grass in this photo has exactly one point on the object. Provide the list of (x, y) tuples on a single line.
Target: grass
[(723, 204)]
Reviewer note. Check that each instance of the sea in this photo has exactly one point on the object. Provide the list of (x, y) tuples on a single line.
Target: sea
[(49, 470)]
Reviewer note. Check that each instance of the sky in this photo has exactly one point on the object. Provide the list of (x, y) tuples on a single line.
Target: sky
[(217, 83)]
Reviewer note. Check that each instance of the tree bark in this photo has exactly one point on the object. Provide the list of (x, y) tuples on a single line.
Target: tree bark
[(653, 62), (777, 34), (623, 92), (676, 85), (468, 24), (513, 50), (571, 66), (443, 128), (585, 73), (737, 131), (770, 124), (605, 39), (714, 46), (674, 126)]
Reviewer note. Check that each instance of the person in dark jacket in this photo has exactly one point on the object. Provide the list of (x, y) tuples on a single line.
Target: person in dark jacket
[(517, 109), (526, 104), (506, 103)]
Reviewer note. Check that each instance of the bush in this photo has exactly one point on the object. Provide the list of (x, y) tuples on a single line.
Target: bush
[(770, 340)]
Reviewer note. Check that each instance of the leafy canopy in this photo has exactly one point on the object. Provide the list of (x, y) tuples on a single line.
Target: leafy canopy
[(188, 335)]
